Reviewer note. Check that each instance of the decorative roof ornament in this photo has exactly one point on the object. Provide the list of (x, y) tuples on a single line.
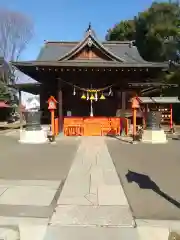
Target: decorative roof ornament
[(89, 42), (90, 31)]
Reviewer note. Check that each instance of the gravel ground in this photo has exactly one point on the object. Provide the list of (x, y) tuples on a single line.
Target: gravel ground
[(29, 162)]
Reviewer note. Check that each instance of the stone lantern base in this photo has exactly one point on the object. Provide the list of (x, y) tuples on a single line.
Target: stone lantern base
[(33, 137), (154, 136), (33, 133)]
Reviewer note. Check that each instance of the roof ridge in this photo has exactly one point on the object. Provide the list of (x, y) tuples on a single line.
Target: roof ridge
[(75, 42), (116, 42), (59, 42)]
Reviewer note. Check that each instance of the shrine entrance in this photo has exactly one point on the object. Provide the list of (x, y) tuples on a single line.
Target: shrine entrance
[(77, 107), (91, 113)]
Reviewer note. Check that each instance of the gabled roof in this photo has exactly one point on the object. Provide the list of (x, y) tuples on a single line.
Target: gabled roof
[(90, 41), (117, 51)]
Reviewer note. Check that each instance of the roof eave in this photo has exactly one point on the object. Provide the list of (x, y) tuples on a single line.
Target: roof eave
[(88, 64), (33, 88)]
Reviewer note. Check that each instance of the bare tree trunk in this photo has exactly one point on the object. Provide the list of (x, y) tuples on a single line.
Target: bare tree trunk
[(16, 30)]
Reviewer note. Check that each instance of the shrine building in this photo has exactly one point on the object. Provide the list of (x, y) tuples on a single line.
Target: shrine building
[(91, 80)]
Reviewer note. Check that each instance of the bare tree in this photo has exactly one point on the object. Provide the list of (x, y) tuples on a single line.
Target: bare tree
[(16, 30)]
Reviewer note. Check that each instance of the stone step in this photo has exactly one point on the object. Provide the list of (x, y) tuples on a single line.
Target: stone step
[(100, 216), (25, 230), (107, 233), (89, 233)]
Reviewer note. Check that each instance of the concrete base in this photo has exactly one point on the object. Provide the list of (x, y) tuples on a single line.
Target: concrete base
[(33, 137), (154, 136)]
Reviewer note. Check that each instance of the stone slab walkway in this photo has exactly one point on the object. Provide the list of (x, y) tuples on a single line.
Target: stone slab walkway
[(92, 194)]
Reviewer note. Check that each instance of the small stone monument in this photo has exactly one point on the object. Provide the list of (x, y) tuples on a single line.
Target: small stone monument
[(153, 133), (33, 132)]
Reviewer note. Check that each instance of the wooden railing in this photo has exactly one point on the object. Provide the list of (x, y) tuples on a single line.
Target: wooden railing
[(93, 126), (73, 126)]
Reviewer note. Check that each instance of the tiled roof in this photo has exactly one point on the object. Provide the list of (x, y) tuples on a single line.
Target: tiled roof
[(118, 53), (117, 50), (53, 51)]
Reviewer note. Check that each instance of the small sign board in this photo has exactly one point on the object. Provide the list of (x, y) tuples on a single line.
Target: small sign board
[(52, 103)]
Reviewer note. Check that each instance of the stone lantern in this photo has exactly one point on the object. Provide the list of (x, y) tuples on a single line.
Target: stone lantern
[(153, 133), (33, 132)]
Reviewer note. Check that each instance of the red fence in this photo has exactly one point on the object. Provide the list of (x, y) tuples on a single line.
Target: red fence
[(94, 126)]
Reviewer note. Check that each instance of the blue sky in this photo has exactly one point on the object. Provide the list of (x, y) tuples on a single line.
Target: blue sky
[(68, 19)]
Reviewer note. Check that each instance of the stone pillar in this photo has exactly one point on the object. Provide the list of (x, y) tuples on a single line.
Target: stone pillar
[(153, 120), (60, 106), (33, 120), (153, 132)]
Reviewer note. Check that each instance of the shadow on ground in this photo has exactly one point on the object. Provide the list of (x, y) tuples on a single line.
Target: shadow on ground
[(154, 173), (145, 182)]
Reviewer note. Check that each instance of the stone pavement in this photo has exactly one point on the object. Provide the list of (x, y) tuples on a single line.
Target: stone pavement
[(89, 203), (92, 189)]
